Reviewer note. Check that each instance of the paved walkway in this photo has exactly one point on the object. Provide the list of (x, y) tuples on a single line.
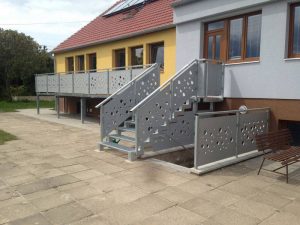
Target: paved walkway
[(54, 175)]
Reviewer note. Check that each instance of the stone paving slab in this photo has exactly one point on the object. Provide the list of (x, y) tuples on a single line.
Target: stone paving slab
[(54, 175)]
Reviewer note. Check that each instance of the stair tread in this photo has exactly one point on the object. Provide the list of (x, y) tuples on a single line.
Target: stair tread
[(117, 146), (122, 137), (130, 129)]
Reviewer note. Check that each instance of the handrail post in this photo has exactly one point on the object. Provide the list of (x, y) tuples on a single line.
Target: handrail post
[(89, 83), (58, 77), (108, 81), (73, 83), (237, 133)]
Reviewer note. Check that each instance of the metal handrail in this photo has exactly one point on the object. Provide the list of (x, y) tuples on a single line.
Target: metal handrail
[(231, 111), (126, 85), (99, 70), (165, 84)]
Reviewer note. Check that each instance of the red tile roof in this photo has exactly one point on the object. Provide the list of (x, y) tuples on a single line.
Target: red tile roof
[(152, 16)]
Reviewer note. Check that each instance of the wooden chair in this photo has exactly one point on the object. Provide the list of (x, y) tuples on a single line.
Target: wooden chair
[(277, 147)]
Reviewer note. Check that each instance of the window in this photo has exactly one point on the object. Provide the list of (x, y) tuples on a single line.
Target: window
[(137, 56), (80, 63), (157, 54), (235, 39), (70, 64), (294, 40), (92, 62), (120, 58)]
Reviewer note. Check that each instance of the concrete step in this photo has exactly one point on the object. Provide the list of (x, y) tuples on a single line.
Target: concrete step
[(122, 137)]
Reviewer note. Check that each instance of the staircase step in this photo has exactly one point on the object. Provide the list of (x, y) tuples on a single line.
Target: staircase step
[(127, 129), (122, 137), (213, 99), (118, 147), (129, 122)]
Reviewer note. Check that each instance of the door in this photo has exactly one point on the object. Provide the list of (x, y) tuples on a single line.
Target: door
[(215, 44)]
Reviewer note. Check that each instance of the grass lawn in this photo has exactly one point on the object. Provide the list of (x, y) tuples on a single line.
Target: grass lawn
[(14, 105), (4, 137)]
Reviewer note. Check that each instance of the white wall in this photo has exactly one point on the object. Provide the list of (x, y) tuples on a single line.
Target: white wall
[(272, 77)]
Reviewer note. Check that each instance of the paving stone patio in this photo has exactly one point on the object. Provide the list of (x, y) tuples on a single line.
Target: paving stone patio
[(54, 175)]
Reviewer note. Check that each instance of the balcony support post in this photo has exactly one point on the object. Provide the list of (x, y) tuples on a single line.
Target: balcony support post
[(37, 103), (82, 109), (57, 105)]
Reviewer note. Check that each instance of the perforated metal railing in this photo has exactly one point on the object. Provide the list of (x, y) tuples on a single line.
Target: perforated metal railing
[(156, 120), (116, 109), (100, 82), (227, 134)]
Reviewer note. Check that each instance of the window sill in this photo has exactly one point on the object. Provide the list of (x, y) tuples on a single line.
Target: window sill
[(291, 59), (240, 63)]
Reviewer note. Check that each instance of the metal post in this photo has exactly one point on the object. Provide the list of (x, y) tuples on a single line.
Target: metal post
[(108, 81), (37, 104), (101, 148), (89, 83), (57, 106), (47, 83), (82, 109), (73, 83), (196, 142), (195, 106), (211, 106), (237, 133)]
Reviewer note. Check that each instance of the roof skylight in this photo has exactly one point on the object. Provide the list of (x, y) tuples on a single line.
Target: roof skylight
[(124, 5)]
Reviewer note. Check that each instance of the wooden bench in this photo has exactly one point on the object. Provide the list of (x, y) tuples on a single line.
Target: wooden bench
[(277, 147)]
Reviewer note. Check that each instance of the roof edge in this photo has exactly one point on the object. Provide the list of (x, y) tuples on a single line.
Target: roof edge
[(182, 2), (148, 31)]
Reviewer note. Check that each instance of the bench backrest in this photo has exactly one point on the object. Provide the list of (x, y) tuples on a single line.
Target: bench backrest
[(275, 140)]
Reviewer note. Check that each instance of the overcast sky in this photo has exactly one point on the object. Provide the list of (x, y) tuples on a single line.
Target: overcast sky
[(61, 18)]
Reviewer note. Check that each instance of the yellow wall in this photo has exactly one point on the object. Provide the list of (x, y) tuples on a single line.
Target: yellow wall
[(105, 52)]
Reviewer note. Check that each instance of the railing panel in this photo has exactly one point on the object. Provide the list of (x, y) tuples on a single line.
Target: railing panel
[(99, 83), (81, 83), (184, 86), (117, 108), (53, 83), (118, 79), (66, 84), (216, 138), (250, 125), (214, 80), (177, 134), (156, 123), (225, 136), (138, 71), (153, 115), (41, 83)]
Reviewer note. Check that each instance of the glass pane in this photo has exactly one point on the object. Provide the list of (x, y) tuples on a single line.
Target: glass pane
[(296, 44), (218, 47), (210, 47), (236, 30), (157, 54), (253, 36), (215, 25), (92, 62), (120, 58), (137, 56)]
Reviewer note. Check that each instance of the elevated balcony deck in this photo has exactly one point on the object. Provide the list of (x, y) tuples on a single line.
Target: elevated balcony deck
[(100, 83)]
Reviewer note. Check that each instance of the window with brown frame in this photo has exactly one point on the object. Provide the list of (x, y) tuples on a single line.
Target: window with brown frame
[(120, 58), (92, 62), (235, 39), (80, 63), (294, 36), (70, 64), (157, 54), (137, 56)]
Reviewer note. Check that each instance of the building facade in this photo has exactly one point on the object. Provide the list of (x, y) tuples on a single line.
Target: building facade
[(120, 37), (259, 41)]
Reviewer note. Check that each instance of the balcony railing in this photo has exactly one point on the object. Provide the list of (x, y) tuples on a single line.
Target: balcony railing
[(100, 82)]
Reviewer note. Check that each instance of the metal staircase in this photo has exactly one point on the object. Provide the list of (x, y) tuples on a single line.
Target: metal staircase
[(143, 114)]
